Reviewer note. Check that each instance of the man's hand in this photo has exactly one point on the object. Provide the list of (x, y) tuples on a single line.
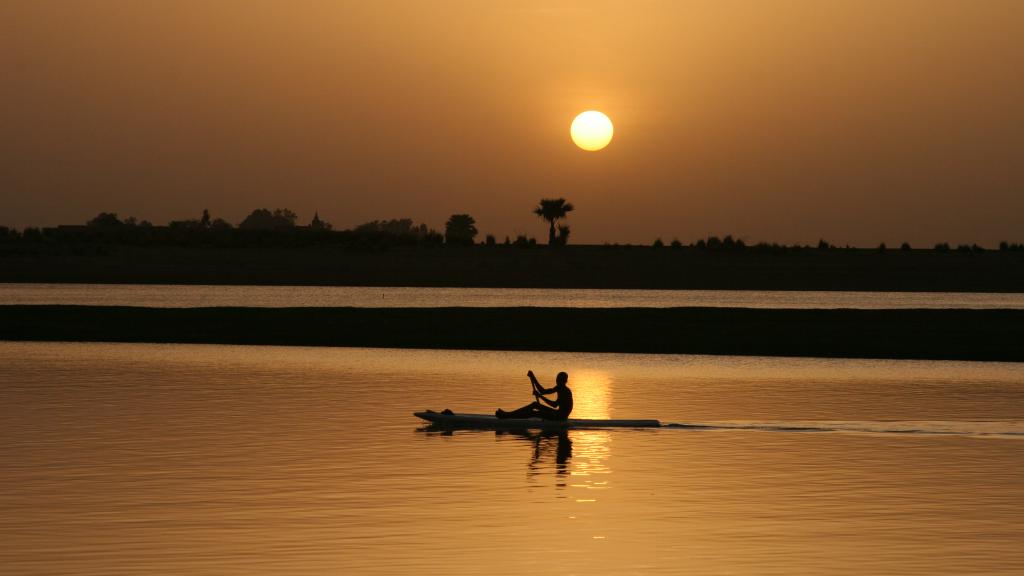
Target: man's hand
[(537, 390)]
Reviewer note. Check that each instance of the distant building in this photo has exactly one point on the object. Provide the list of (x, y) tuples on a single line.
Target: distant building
[(318, 224)]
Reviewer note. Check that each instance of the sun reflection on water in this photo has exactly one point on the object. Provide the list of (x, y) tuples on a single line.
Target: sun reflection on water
[(591, 450), (592, 393), (590, 470)]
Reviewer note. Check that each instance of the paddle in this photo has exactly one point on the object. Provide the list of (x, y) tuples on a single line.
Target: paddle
[(533, 383)]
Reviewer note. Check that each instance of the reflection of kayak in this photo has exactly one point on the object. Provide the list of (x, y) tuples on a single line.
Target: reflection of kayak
[(490, 421)]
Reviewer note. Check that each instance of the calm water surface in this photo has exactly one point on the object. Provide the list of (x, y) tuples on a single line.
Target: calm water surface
[(175, 459), (173, 296)]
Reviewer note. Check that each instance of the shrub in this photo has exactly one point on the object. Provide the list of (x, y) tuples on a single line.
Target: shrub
[(104, 220), (263, 219), (460, 229), (563, 235)]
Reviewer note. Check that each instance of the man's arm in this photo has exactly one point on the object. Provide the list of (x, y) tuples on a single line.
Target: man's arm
[(536, 385), (552, 403)]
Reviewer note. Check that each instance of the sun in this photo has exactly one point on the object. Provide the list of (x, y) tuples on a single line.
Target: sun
[(591, 130)]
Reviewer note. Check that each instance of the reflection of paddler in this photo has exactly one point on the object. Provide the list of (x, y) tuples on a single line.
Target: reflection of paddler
[(557, 409), (564, 448), (544, 443)]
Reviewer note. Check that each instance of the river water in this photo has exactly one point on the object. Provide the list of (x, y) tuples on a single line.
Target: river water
[(194, 459), (187, 296)]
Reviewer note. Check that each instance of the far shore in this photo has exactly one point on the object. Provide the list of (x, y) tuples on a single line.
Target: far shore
[(618, 267), (993, 335)]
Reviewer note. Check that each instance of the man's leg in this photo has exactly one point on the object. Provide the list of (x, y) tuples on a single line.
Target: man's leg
[(548, 413), (527, 411)]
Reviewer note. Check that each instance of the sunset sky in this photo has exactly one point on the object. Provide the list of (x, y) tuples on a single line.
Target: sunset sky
[(787, 121)]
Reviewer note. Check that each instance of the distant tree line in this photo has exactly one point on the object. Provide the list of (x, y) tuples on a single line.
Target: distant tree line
[(730, 244), (264, 227), (261, 228), (278, 227)]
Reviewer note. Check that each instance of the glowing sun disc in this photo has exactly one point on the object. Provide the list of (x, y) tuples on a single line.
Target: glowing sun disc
[(591, 130)]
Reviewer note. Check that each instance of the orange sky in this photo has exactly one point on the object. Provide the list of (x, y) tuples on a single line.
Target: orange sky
[(854, 121)]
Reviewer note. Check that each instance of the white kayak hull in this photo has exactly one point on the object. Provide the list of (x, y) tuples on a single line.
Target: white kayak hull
[(489, 421)]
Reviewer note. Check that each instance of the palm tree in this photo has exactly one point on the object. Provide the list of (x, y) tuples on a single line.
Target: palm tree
[(551, 211), (460, 229)]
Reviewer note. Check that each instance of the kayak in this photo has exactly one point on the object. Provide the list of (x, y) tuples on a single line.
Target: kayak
[(489, 421)]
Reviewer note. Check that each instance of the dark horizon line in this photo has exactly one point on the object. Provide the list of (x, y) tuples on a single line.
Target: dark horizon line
[(726, 242)]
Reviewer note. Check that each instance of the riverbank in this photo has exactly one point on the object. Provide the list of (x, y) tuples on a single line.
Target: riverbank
[(996, 335), (617, 267)]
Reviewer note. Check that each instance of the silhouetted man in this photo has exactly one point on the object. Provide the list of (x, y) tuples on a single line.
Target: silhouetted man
[(557, 409)]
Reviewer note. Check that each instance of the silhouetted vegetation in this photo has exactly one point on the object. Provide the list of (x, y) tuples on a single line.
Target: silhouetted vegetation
[(399, 228), (714, 243), (105, 220), (263, 219), (563, 235), (969, 248), (272, 248), (263, 228), (32, 235), (523, 242), (202, 223), (551, 211), (460, 229)]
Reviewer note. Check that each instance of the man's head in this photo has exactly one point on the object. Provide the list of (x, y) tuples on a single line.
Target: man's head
[(561, 379)]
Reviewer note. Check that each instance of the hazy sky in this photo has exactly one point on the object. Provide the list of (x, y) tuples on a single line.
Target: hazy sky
[(855, 121)]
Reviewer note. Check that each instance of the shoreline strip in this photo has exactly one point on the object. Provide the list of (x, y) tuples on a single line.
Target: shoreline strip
[(989, 335)]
